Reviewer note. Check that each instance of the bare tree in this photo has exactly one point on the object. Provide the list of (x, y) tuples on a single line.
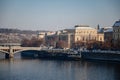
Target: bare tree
[(33, 42)]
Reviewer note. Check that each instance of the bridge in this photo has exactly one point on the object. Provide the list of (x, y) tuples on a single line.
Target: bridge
[(11, 48)]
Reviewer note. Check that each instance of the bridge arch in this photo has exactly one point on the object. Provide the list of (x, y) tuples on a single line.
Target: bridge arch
[(4, 51), (25, 50), (11, 50)]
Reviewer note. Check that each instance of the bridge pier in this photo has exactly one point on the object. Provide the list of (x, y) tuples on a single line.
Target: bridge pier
[(11, 55)]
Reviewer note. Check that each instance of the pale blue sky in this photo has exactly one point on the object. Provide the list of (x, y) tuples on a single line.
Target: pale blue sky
[(57, 14)]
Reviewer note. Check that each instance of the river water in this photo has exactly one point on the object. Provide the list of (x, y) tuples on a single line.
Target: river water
[(37, 69)]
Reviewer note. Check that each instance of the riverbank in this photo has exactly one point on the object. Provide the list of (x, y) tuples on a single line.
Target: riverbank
[(83, 55), (100, 56)]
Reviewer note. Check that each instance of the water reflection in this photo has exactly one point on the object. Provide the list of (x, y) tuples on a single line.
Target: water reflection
[(117, 72), (36, 69)]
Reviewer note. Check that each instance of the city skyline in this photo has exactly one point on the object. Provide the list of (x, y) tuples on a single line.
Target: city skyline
[(57, 14)]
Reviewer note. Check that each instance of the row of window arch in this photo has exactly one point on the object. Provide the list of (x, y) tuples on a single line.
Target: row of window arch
[(78, 32), (86, 38)]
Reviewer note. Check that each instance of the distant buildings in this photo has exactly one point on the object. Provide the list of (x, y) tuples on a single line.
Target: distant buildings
[(51, 39), (68, 38), (14, 35), (8, 38), (60, 39), (81, 33)]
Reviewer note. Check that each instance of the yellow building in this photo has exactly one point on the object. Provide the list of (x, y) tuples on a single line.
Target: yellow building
[(100, 37), (85, 33)]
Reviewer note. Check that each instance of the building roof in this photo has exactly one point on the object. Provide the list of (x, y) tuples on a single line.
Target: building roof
[(70, 30), (109, 30), (117, 24), (101, 30), (105, 29), (83, 27)]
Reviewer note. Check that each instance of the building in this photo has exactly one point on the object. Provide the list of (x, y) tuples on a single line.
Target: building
[(67, 38), (104, 34), (116, 31), (100, 37), (108, 34), (84, 33), (116, 34), (60, 39), (41, 35), (81, 35), (51, 40), (100, 34)]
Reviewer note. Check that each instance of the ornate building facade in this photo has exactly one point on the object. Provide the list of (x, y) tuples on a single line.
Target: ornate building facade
[(84, 33)]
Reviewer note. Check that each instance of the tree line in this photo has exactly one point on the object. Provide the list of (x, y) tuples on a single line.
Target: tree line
[(33, 42), (107, 45)]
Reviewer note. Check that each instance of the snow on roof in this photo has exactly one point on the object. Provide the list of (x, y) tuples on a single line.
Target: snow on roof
[(100, 30), (107, 27), (117, 24), (109, 30)]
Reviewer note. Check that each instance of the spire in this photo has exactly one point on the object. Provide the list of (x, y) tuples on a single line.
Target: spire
[(98, 27)]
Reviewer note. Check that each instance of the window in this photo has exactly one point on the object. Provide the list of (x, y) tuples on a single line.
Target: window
[(83, 38), (118, 30), (113, 30), (100, 38), (77, 38)]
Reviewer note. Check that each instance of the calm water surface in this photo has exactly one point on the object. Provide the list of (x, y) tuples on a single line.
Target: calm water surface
[(36, 69)]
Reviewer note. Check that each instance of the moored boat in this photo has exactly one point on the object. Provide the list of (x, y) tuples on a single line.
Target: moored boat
[(58, 55)]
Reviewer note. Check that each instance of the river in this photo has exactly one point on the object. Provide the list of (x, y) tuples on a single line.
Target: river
[(37, 69)]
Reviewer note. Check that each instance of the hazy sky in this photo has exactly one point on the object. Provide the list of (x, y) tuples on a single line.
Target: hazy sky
[(57, 14)]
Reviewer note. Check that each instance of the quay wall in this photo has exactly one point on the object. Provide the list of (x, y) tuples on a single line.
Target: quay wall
[(100, 56)]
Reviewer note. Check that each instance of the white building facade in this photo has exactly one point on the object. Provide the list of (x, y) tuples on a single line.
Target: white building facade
[(85, 33)]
